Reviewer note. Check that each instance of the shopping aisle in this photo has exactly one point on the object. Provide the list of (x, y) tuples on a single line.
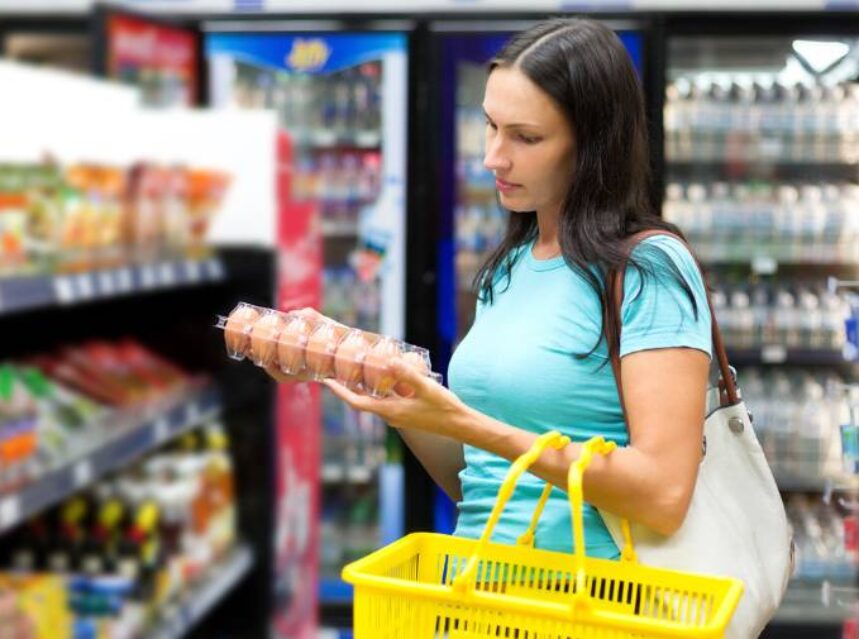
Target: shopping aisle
[(340, 166), (127, 505)]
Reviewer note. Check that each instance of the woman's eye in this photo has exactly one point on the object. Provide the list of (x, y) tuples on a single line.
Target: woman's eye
[(527, 139), (490, 125)]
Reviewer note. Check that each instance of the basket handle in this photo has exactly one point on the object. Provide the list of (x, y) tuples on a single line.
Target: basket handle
[(555, 440), (552, 439), (575, 494)]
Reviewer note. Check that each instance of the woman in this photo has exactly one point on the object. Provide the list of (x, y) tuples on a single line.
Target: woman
[(566, 140)]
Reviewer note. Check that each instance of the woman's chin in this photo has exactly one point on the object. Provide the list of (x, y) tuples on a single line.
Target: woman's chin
[(515, 204)]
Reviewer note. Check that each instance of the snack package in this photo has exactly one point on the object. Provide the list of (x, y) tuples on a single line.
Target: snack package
[(320, 349)]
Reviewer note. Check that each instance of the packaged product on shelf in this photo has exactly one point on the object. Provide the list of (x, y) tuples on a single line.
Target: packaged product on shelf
[(86, 216), (155, 370), (93, 216), (129, 548), (823, 544), (771, 121), (350, 300), (29, 216), (206, 192), (118, 374), (797, 418), (13, 219), (802, 316), (144, 224), (18, 428), (175, 211), (41, 609), (318, 348), (55, 407)]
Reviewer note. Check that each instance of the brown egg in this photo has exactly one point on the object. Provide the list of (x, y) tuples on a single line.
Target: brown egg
[(264, 337), (349, 359), (292, 343), (414, 359), (377, 381), (321, 347), (237, 330)]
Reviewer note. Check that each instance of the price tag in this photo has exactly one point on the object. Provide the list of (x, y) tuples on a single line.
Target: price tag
[(773, 354), (168, 275), (10, 512), (192, 268), (215, 269), (331, 473), (324, 138), (360, 474), (106, 283), (764, 265), (82, 473), (162, 430), (147, 276), (367, 139), (192, 413), (86, 290), (124, 282), (64, 290)]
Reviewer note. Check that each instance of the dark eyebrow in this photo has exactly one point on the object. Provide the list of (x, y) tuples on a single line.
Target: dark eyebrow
[(514, 125)]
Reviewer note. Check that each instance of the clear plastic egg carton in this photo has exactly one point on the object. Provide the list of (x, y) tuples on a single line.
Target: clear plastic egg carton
[(319, 349)]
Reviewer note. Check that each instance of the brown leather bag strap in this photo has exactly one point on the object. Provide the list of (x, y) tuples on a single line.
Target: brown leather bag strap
[(616, 280)]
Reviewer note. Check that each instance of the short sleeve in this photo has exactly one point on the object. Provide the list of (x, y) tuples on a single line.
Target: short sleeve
[(657, 312)]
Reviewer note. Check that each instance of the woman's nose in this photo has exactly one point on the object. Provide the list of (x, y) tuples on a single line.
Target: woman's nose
[(494, 157)]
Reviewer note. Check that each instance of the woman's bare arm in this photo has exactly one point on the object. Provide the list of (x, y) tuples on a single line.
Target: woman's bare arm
[(651, 481), (442, 457)]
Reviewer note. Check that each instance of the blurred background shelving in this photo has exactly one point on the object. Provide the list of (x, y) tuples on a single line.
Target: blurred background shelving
[(338, 163), (760, 143)]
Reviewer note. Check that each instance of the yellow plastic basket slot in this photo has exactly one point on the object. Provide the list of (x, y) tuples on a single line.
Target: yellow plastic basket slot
[(432, 586)]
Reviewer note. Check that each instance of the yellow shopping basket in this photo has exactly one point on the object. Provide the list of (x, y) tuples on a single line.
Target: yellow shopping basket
[(432, 586)]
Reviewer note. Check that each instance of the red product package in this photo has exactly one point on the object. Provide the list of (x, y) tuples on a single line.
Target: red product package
[(154, 368)]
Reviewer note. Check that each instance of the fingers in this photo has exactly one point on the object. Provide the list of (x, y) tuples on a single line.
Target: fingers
[(410, 379), (356, 401), (406, 372)]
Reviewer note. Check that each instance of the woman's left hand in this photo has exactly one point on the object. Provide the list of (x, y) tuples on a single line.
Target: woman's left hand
[(418, 402)]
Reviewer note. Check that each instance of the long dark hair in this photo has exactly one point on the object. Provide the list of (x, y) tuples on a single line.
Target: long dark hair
[(584, 67)]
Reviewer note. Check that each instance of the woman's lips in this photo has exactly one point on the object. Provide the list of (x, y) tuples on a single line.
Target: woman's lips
[(505, 187)]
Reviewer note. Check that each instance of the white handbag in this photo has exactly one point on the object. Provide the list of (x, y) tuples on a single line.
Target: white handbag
[(736, 524)]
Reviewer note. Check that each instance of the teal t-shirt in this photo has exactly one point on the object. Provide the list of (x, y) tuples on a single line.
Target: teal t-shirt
[(517, 364)]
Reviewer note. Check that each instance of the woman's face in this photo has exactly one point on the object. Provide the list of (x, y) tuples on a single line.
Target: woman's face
[(530, 146)]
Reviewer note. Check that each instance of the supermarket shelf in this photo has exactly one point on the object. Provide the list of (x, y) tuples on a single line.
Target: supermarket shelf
[(334, 591), (202, 601), (20, 294), (796, 484), (139, 435), (694, 164), (340, 474), (765, 260), (339, 230), (778, 354), (788, 482), (326, 139), (803, 604)]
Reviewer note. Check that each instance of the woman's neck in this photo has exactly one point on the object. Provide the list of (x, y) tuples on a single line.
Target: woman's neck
[(547, 245)]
